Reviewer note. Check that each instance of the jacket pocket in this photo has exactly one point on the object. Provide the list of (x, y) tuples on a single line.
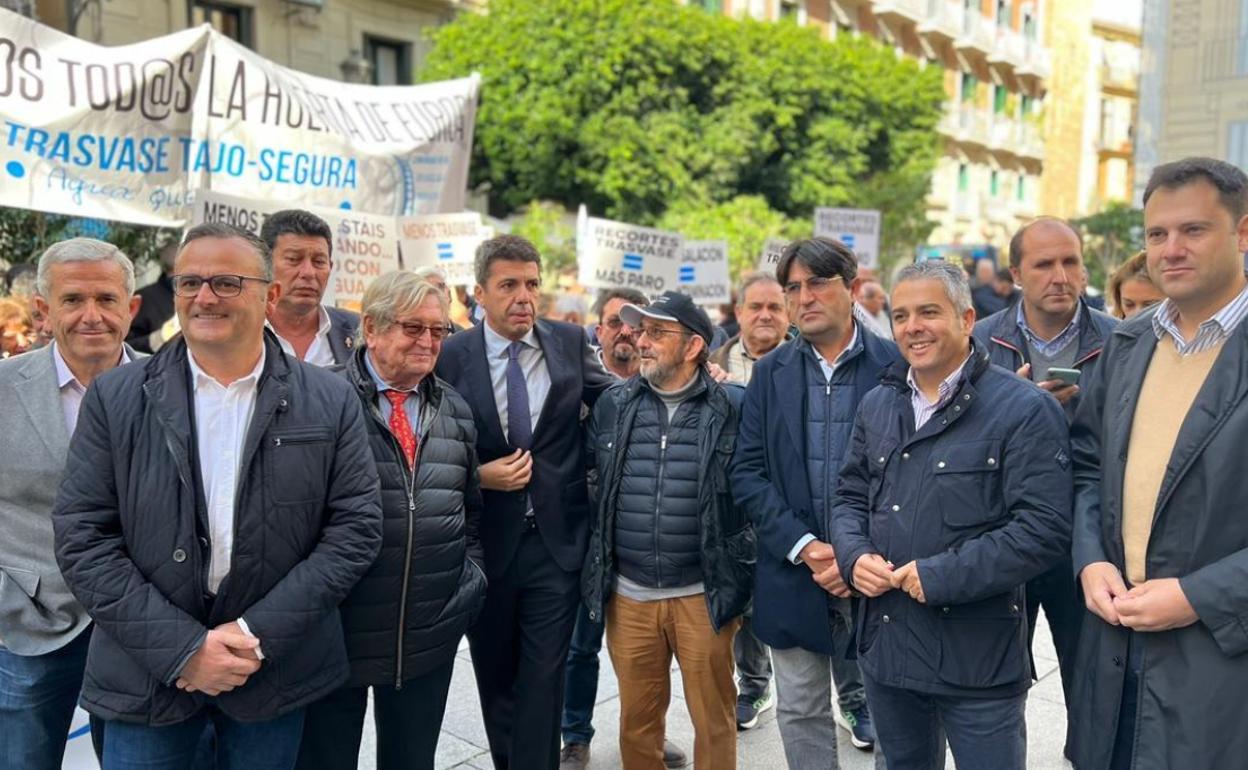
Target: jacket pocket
[(983, 644), (299, 461), (967, 478), (18, 588)]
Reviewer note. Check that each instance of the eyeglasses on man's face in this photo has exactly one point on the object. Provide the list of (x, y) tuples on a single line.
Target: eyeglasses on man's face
[(658, 334), (816, 284), (224, 286), (416, 331)]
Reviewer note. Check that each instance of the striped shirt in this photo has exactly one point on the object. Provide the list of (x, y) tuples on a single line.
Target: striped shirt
[(1210, 333), (1050, 348), (924, 409)]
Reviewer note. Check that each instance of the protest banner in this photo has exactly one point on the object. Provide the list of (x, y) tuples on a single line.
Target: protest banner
[(364, 247), (704, 274), (859, 229), (616, 254), (133, 133), (770, 257), (446, 241)]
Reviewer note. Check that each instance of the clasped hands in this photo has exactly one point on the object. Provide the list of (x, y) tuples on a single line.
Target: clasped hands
[(873, 575), (1154, 605), (225, 660)]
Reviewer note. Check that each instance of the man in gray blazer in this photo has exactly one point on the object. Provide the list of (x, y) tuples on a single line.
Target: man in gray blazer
[(302, 246), (86, 292)]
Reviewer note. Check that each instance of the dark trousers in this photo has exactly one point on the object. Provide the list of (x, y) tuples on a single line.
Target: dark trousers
[(1128, 711), (753, 662), (408, 723), (519, 646), (580, 679), (1064, 608), (983, 733), (268, 745), (37, 698)]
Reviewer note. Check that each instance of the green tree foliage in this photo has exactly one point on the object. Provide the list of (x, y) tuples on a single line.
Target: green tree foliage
[(635, 107), (24, 234), (1110, 238), (553, 229)]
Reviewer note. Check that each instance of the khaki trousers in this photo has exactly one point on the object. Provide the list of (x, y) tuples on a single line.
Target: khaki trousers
[(642, 637)]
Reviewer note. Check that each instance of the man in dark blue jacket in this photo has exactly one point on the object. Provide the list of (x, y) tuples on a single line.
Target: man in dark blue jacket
[(1050, 326), (795, 426), (955, 492)]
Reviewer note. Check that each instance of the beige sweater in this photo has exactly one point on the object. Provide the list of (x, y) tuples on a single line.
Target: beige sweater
[(1170, 387)]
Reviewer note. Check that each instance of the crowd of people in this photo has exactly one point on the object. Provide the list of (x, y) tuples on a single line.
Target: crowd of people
[(224, 539)]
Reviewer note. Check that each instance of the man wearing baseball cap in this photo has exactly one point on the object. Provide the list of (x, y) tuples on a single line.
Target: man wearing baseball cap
[(671, 557)]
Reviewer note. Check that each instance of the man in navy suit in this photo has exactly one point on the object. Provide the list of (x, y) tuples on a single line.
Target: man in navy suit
[(526, 381)]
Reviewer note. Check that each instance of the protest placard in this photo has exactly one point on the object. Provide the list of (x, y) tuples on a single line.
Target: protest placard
[(364, 247), (446, 241), (770, 257), (859, 229), (616, 254), (704, 274)]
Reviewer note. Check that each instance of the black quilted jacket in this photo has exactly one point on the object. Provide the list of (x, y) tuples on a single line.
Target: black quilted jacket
[(407, 614), (129, 522)]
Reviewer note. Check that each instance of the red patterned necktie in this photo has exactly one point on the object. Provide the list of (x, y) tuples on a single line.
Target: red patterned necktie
[(400, 426)]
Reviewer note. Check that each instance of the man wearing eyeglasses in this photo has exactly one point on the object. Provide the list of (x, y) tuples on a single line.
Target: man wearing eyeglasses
[(302, 248), (219, 503), (795, 427), (406, 616), (671, 556)]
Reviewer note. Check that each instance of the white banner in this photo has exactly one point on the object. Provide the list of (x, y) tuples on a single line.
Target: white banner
[(364, 247), (446, 241), (615, 254), (770, 257), (859, 229), (704, 275), (133, 132)]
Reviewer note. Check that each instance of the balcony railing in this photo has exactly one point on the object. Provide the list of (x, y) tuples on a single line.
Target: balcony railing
[(1009, 50), (910, 10), (1120, 76), (943, 20), (1031, 142), (1035, 62), (966, 206), (978, 33), (996, 210)]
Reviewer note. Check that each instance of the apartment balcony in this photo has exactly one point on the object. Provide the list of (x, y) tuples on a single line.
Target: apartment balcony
[(1119, 78), (978, 35), (1036, 64), (1031, 142), (966, 125), (892, 11), (996, 210), (1024, 209), (943, 22), (1004, 134), (966, 206), (1009, 51)]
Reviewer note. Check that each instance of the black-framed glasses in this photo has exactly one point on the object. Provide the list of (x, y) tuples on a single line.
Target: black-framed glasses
[(657, 334), (416, 331), (224, 286), (816, 284)]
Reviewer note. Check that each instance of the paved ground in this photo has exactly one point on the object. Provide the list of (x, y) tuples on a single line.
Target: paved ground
[(463, 743)]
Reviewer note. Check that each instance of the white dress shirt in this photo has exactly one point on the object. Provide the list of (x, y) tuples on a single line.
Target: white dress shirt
[(319, 352), (222, 416), (71, 389), (532, 363)]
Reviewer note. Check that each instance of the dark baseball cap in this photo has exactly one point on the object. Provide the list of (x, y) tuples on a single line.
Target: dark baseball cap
[(672, 306)]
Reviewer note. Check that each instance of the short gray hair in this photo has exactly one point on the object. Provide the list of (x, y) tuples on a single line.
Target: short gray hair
[(751, 279), (430, 271), (81, 250), (394, 293), (952, 277)]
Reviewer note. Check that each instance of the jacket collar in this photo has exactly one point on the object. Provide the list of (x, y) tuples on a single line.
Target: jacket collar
[(632, 388), (1094, 329), (896, 375)]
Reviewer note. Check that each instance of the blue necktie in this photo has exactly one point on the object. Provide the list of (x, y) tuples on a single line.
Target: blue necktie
[(519, 427)]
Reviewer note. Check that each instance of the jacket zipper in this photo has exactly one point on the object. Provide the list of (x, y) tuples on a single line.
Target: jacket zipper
[(409, 479), (827, 453), (658, 502)]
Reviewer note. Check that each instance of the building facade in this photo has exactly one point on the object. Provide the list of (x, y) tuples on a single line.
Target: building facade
[(996, 66), (372, 41), (1193, 83)]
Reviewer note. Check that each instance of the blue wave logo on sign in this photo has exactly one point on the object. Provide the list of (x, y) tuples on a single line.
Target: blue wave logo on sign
[(687, 274), (632, 262), (446, 252), (848, 240)]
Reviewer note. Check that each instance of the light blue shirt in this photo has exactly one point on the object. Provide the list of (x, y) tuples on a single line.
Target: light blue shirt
[(411, 406)]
